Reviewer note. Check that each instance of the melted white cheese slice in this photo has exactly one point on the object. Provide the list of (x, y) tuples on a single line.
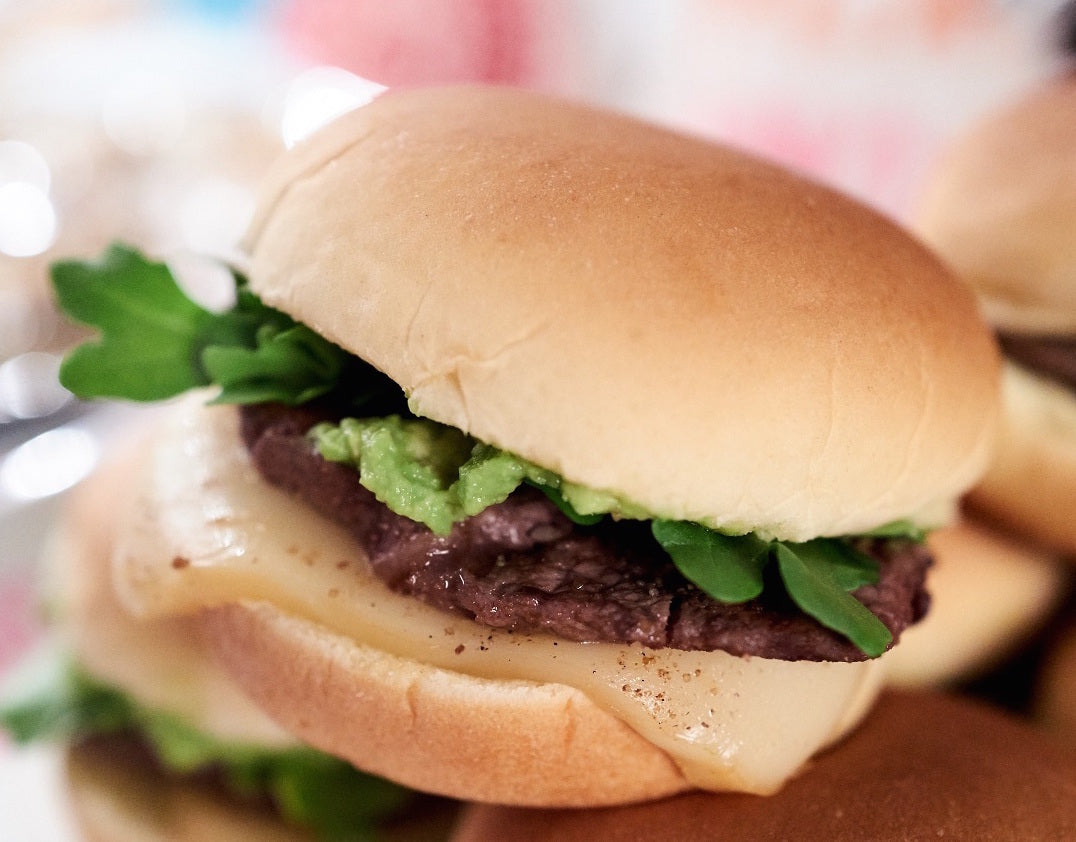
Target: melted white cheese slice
[(161, 663), (209, 531)]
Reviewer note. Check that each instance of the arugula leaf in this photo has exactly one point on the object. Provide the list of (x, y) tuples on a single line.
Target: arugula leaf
[(44, 698), (51, 698), (152, 334), (728, 568), (845, 566), (818, 575), (156, 343), (289, 366), (813, 580)]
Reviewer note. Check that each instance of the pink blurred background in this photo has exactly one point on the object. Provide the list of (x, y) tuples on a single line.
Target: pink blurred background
[(859, 93)]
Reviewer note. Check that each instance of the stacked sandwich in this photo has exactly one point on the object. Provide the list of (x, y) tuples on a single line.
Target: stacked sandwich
[(546, 458), (1001, 207)]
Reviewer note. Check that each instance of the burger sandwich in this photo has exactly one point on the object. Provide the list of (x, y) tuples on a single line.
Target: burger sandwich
[(545, 456), (1000, 208)]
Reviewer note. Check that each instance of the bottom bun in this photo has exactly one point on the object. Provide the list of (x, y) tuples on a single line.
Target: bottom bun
[(512, 742), (924, 766), (117, 794), (1031, 484), (496, 740), (988, 595)]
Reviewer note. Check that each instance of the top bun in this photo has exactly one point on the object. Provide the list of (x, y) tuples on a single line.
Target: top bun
[(1001, 207), (645, 313)]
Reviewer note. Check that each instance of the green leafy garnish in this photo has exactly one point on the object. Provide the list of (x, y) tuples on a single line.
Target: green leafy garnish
[(46, 698), (818, 575), (814, 581), (156, 343), (52, 699), (728, 568)]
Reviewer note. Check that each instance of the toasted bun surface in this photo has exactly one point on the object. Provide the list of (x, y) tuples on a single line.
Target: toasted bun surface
[(433, 700), (502, 741), (1001, 207), (923, 767), (703, 333), (508, 741), (988, 594), (1030, 487)]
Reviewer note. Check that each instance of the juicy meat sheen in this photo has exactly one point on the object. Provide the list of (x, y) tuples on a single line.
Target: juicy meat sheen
[(522, 565)]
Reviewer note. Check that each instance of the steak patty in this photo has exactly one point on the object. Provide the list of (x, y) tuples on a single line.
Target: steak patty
[(1053, 357), (522, 565)]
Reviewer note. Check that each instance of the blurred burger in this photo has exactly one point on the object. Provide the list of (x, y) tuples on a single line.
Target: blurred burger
[(1000, 208), (575, 461), (161, 744), (925, 766), (991, 595)]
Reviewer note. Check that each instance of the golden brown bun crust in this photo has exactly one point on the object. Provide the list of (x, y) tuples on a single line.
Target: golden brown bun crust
[(706, 334), (328, 689), (1030, 487), (1001, 207), (118, 795), (988, 594), (923, 766)]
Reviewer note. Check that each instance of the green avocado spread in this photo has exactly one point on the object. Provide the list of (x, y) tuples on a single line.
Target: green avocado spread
[(438, 475)]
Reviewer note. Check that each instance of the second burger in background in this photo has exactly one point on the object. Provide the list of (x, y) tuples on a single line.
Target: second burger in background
[(577, 461), (159, 743), (1001, 209)]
